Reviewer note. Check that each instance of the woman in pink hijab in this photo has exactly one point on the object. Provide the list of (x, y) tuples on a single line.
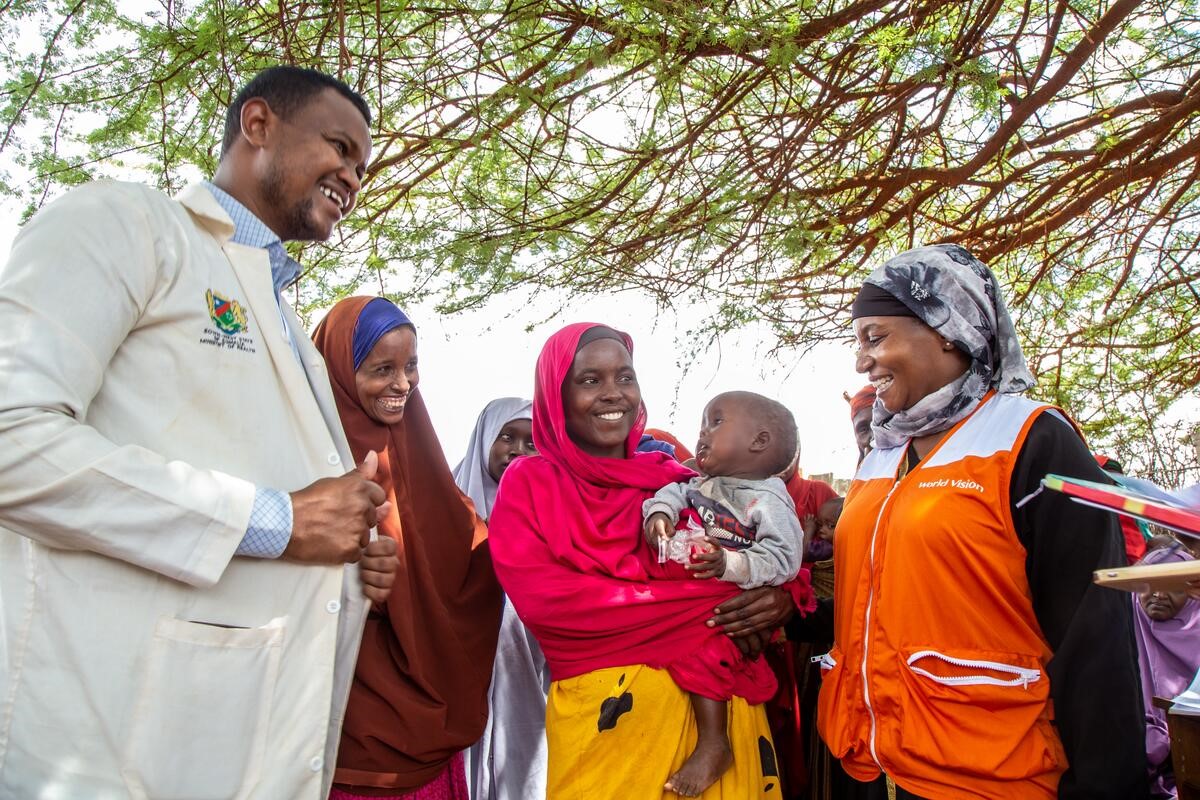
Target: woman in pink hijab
[(623, 635)]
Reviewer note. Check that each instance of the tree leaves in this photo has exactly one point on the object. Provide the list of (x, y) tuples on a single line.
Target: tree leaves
[(763, 154)]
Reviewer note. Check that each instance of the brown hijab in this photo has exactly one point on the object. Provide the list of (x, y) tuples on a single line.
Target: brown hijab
[(420, 686)]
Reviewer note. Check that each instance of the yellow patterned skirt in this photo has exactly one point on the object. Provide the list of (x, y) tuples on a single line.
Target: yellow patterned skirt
[(621, 732)]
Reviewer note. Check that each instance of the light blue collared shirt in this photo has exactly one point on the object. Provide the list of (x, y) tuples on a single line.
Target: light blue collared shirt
[(252, 232), (270, 527)]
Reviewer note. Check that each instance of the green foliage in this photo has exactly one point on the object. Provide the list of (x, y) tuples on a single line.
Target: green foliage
[(765, 154)]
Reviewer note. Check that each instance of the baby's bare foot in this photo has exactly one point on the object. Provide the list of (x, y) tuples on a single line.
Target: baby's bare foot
[(704, 767)]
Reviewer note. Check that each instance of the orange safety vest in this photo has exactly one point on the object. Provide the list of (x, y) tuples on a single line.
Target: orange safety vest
[(938, 671)]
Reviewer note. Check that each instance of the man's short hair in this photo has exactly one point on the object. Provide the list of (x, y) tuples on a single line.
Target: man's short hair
[(286, 89)]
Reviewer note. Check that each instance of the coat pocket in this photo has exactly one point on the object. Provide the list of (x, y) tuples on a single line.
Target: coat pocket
[(977, 713), (198, 725)]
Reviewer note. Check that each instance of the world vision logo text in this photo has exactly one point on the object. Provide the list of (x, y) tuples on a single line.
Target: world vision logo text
[(952, 483)]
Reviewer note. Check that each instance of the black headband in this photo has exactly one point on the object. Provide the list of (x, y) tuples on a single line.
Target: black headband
[(599, 332), (873, 301)]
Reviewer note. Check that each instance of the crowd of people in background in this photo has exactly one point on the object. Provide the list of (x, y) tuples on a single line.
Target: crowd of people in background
[(235, 562)]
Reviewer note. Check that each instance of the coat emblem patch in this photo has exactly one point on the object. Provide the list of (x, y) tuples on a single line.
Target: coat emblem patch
[(230, 329), (228, 315)]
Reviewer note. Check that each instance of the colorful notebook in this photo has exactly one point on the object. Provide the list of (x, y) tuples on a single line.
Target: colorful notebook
[(1148, 502), (1163, 508)]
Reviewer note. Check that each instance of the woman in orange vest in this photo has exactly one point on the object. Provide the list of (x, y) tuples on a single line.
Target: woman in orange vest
[(973, 655)]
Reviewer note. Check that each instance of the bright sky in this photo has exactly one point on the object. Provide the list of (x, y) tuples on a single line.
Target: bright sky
[(473, 357), (470, 358)]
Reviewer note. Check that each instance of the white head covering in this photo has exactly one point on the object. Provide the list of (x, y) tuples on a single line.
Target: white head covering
[(471, 474)]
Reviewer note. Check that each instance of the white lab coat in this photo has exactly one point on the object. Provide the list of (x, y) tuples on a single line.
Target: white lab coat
[(138, 658)]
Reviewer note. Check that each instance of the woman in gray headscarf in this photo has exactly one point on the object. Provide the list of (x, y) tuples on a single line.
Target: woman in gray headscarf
[(504, 431), (509, 760), (973, 656)]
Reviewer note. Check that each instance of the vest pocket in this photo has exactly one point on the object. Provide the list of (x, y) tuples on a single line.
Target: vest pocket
[(976, 712), (198, 725)]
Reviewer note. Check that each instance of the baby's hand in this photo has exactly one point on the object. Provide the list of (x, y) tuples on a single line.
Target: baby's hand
[(809, 525), (709, 563), (658, 526)]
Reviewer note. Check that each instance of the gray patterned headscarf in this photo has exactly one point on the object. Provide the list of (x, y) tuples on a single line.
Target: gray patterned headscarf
[(952, 292)]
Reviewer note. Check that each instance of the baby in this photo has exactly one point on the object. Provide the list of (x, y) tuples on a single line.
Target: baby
[(819, 528), (755, 539), (818, 554)]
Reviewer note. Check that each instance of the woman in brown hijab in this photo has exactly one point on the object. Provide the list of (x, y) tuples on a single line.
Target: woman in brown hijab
[(420, 688)]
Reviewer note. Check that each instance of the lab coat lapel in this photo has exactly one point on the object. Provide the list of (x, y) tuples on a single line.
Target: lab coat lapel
[(253, 268)]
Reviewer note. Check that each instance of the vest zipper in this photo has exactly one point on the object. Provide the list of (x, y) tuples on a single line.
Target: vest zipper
[(867, 622), (1023, 676)]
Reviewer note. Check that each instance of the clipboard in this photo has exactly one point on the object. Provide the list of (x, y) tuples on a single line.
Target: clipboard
[(1169, 577)]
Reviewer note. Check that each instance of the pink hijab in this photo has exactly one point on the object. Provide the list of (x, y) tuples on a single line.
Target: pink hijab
[(566, 542)]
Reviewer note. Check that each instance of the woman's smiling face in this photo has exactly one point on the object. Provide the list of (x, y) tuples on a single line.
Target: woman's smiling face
[(601, 398), (905, 359), (388, 375)]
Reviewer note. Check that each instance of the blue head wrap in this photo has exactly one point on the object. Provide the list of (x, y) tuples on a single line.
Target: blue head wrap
[(649, 444), (376, 318)]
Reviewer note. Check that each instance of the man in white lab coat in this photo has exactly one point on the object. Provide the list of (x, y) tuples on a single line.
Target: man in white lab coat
[(184, 542)]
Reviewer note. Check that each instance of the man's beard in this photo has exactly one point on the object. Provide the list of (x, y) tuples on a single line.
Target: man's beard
[(297, 219)]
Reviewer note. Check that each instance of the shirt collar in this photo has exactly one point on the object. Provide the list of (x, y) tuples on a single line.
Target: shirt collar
[(250, 231)]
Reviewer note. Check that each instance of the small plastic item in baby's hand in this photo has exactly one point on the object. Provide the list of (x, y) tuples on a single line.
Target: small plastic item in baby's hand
[(679, 548)]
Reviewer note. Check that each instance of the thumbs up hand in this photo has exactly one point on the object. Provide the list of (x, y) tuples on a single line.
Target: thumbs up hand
[(332, 518)]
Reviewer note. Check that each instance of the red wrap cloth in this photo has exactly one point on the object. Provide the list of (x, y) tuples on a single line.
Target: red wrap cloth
[(861, 401), (808, 495), (566, 541), (682, 453), (789, 659)]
